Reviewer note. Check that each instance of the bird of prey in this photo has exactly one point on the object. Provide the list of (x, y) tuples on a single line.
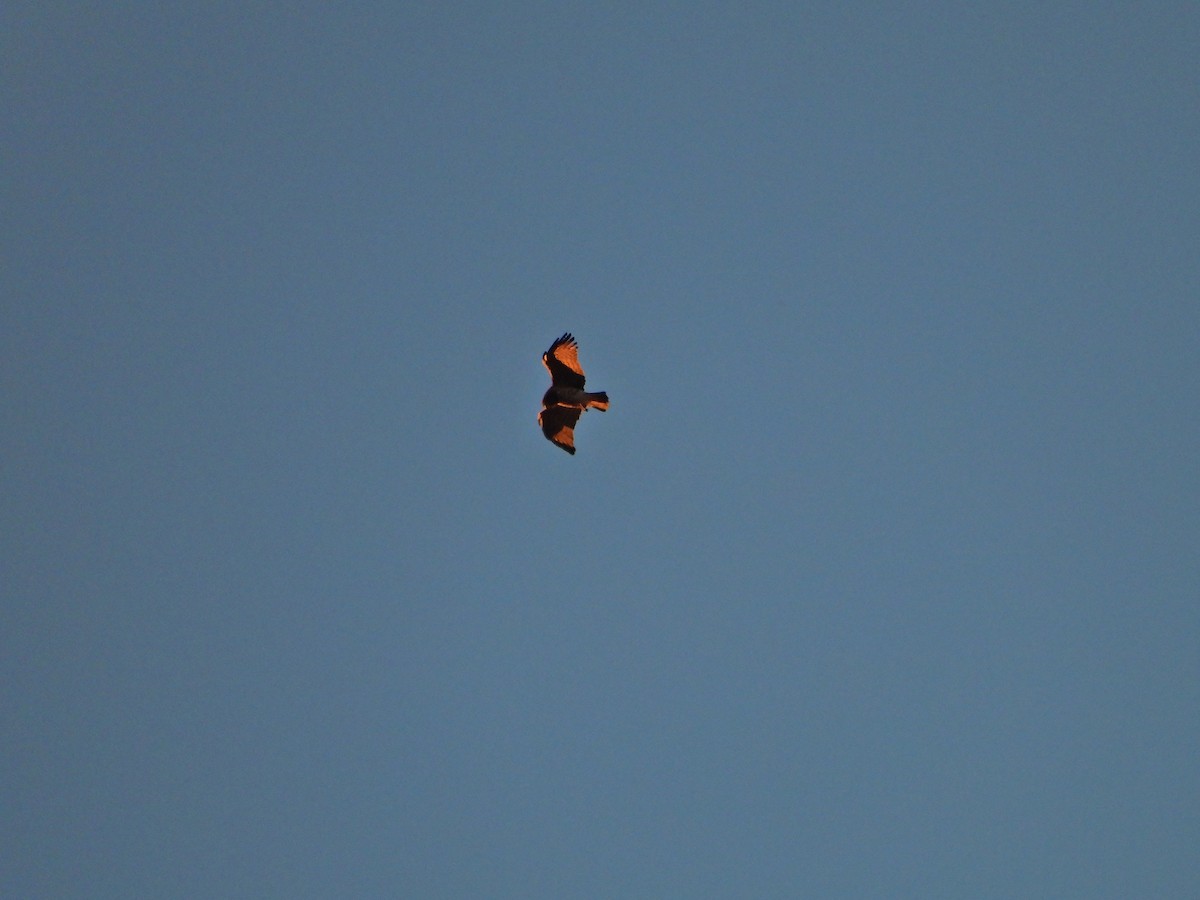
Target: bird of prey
[(566, 400)]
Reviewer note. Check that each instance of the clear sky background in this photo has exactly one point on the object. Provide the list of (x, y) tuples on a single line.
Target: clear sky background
[(880, 577)]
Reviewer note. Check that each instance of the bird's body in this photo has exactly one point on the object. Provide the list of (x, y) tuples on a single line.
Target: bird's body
[(568, 396), (565, 400)]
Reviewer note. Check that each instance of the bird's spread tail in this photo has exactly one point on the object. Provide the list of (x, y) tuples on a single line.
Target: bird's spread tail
[(598, 400)]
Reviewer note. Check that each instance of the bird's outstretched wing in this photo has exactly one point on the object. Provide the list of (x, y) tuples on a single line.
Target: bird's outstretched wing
[(562, 361), (558, 424)]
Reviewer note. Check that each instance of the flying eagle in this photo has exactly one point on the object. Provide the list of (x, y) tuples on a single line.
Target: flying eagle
[(566, 400)]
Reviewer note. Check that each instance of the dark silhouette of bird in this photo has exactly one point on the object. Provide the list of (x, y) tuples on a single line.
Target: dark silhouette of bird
[(566, 399)]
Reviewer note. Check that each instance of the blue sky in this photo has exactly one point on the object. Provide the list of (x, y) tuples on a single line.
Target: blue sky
[(879, 578)]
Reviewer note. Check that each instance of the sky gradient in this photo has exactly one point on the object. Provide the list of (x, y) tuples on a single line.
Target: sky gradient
[(880, 577)]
